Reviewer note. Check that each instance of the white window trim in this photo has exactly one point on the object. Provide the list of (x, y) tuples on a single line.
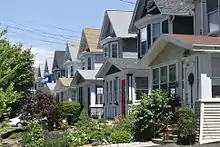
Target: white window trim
[(168, 73), (112, 43), (151, 27), (138, 101)]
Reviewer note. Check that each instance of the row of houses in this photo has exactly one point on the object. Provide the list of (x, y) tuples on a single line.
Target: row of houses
[(171, 45)]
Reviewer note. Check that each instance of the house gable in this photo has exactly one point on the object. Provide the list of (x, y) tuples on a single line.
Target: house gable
[(107, 29), (113, 69), (170, 52), (67, 53)]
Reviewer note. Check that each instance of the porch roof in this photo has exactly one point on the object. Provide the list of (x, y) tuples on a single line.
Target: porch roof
[(65, 81), (87, 74), (190, 42), (120, 63)]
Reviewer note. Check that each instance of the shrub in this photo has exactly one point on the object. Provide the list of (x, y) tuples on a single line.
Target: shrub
[(33, 137), (41, 105), (151, 115), (58, 141), (125, 123), (186, 126), (77, 138), (120, 136), (71, 111)]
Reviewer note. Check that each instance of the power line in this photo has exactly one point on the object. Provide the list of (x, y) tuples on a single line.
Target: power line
[(31, 31), (59, 35), (127, 1)]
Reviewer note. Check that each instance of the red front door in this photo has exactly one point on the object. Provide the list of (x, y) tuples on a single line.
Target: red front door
[(123, 97)]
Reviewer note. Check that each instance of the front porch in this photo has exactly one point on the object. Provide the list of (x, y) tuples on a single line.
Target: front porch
[(187, 67), (90, 92)]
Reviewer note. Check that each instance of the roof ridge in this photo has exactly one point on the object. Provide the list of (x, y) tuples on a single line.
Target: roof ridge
[(119, 10)]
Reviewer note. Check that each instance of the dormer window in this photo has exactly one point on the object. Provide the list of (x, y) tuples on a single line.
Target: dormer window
[(114, 50)]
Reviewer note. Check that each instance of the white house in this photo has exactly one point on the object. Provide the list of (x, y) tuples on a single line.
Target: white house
[(89, 88), (190, 66)]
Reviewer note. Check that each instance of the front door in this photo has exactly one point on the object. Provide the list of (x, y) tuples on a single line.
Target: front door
[(190, 80)]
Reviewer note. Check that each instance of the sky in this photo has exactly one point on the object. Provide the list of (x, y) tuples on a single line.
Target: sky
[(46, 25)]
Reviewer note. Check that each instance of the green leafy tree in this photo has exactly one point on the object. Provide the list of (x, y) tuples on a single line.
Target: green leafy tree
[(7, 97), (16, 68), (151, 115)]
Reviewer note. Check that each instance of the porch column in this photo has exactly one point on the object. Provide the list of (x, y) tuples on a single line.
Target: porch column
[(129, 87), (150, 81)]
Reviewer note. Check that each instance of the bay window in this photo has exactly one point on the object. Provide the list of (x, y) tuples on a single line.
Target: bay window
[(141, 86), (114, 50), (150, 33)]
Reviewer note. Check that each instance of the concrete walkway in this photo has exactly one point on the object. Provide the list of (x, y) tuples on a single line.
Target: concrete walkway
[(134, 144)]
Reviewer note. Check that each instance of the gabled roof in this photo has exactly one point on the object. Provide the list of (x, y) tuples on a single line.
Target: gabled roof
[(58, 60), (51, 86), (120, 63), (90, 41), (46, 69), (65, 81), (72, 50), (166, 7), (87, 74), (119, 20), (189, 42)]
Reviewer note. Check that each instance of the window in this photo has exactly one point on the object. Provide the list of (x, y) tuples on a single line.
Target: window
[(71, 71), (107, 91), (115, 90), (58, 74), (110, 91), (165, 28), (99, 95), (89, 63), (156, 31), (106, 50), (163, 79), (213, 21), (99, 58), (215, 77), (148, 36), (114, 50), (156, 78), (141, 86), (143, 40)]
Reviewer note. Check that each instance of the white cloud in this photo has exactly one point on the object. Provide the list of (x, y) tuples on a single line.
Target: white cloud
[(41, 55)]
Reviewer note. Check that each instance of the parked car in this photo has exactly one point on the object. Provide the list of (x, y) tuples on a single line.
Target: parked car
[(16, 122)]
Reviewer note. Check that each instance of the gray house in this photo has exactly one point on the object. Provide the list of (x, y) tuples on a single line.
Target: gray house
[(58, 68), (114, 37)]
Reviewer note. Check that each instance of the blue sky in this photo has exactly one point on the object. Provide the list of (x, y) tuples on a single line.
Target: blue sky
[(30, 21), (37, 22)]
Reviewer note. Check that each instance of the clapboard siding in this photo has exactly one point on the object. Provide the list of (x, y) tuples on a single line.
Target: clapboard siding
[(197, 114), (211, 122)]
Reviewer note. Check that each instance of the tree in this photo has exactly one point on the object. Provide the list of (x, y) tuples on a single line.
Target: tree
[(41, 105), (16, 67), (7, 97), (151, 115)]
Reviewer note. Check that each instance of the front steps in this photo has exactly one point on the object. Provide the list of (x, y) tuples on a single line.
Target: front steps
[(169, 136)]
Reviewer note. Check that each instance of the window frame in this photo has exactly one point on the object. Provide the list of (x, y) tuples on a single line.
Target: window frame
[(137, 88), (143, 41), (168, 82), (99, 95), (149, 42), (117, 54), (89, 63), (208, 15)]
